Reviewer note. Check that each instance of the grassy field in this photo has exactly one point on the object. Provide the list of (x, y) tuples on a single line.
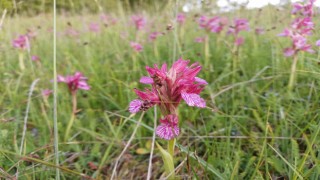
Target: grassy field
[(254, 126)]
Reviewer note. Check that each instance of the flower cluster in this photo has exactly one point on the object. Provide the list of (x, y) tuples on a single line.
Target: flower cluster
[(238, 26), (181, 18), (300, 29), (215, 24), (139, 21), (136, 46), (21, 42), (75, 82), (169, 87)]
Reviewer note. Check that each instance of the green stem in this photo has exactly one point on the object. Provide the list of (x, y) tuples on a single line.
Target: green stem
[(206, 50), (73, 115), (171, 145), (293, 73), (21, 63)]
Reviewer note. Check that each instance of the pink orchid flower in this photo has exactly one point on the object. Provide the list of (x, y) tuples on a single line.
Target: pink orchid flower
[(239, 25), (94, 27), (169, 87), (215, 24), (139, 21), (21, 42), (181, 18), (136, 46), (318, 43), (75, 82), (35, 58)]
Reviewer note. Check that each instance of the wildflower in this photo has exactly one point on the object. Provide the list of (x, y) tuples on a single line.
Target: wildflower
[(75, 82), (136, 46), (35, 58), (94, 27), (199, 39), (239, 41), (139, 21), (153, 36), (46, 92), (181, 18), (168, 128), (306, 10), (259, 31), (215, 24), (21, 42), (169, 87), (318, 43), (71, 32), (239, 25)]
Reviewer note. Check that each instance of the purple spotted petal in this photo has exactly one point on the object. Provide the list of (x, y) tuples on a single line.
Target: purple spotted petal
[(135, 105), (193, 99), (200, 81), (165, 131), (146, 80)]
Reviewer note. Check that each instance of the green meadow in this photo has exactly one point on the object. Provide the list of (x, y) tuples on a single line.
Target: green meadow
[(253, 125)]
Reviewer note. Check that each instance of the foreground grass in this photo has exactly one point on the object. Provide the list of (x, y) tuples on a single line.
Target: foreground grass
[(253, 127)]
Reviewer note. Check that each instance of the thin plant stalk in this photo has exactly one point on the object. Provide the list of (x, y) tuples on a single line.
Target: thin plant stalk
[(21, 63), (55, 119), (73, 115), (293, 73), (206, 50)]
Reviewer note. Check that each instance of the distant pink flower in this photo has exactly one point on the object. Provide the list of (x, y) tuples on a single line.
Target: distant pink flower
[(154, 35), (239, 41), (199, 39), (306, 10), (169, 87), (94, 27), (139, 21), (47, 92), (31, 34), (75, 82), (304, 26), (136, 46), (238, 26), (71, 32), (299, 43), (318, 43), (35, 58), (215, 24), (168, 128), (21, 42), (181, 18), (259, 31), (107, 20)]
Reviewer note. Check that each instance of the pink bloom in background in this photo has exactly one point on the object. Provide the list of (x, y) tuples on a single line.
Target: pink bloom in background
[(215, 24), (136, 46), (299, 43), (71, 32), (154, 35), (107, 20), (300, 28), (239, 25), (181, 18), (31, 34), (94, 27), (199, 39), (318, 43), (21, 42), (169, 87), (168, 128), (35, 58), (239, 41), (306, 10), (46, 92), (139, 21), (259, 31), (75, 82)]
